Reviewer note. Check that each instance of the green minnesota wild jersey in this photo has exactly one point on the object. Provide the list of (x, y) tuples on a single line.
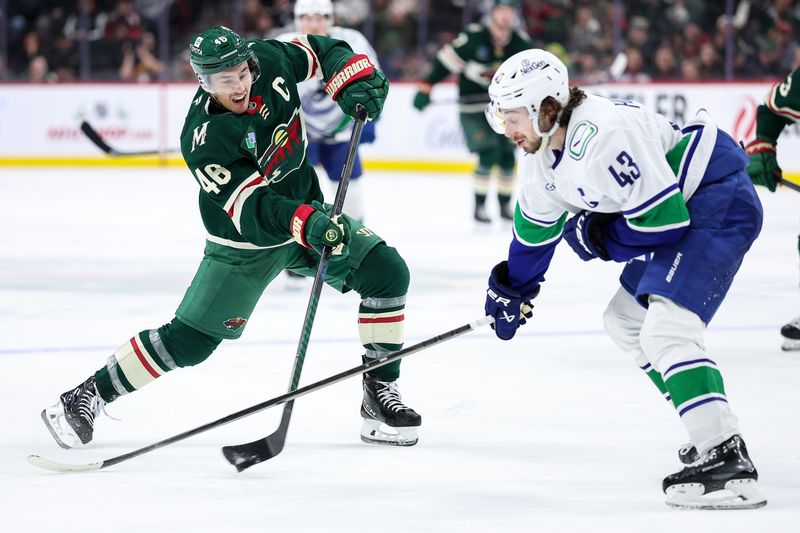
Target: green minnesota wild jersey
[(474, 57), (252, 168), (780, 108)]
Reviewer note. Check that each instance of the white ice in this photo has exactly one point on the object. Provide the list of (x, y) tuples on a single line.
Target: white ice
[(555, 431)]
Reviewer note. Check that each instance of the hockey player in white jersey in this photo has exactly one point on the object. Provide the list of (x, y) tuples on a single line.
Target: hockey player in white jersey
[(327, 127), (636, 185)]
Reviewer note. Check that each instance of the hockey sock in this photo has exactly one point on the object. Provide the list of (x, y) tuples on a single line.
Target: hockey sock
[(149, 355), (505, 185), (672, 338), (657, 380), (382, 280), (480, 182)]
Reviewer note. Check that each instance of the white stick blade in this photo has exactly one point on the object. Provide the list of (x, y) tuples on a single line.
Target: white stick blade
[(53, 466)]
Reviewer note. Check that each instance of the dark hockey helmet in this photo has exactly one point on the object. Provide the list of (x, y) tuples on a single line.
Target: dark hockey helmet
[(216, 50)]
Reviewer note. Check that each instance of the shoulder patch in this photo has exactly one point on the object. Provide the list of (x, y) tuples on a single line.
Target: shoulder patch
[(582, 134)]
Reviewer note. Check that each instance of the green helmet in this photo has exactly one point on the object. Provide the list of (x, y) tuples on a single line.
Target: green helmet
[(217, 49)]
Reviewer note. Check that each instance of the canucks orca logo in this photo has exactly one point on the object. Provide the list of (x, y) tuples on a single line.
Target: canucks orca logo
[(234, 324), (286, 151)]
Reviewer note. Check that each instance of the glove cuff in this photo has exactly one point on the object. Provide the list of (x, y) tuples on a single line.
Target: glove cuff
[(359, 66), (500, 277), (759, 146), (298, 225)]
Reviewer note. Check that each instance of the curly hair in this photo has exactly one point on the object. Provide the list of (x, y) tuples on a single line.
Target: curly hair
[(576, 97)]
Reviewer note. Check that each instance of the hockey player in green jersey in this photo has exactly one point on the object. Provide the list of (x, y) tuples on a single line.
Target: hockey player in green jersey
[(260, 201), (475, 55), (781, 107)]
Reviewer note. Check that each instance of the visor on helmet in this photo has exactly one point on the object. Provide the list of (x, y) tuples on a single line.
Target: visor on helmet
[(231, 81)]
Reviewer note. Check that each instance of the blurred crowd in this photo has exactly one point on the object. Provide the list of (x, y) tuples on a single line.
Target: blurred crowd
[(627, 40)]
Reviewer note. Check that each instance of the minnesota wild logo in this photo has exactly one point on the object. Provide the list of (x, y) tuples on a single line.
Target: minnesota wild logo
[(234, 324), (285, 153)]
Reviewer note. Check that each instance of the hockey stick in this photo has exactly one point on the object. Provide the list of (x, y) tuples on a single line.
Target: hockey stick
[(787, 183), (372, 364), (98, 141), (245, 455)]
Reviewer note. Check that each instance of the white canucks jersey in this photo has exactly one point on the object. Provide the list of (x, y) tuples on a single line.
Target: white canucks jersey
[(618, 157), (324, 119)]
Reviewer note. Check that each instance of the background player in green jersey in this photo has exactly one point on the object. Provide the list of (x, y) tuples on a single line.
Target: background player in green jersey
[(475, 55), (260, 201), (780, 108)]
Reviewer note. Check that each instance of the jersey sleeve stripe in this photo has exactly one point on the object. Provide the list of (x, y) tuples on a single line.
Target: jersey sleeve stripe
[(536, 220), (773, 106), (689, 155), (237, 191), (671, 213), (235, 211), (647, 204), (313, 60), (531, 234), (450, 59)]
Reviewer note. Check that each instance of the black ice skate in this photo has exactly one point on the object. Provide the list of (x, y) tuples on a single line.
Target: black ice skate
[(506, 211), (791, 335), (687, 454), (386, 419), (480, 214), (724, 478), (71, 420)]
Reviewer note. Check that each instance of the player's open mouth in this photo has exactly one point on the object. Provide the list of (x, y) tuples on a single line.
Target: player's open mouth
[(239, 99)]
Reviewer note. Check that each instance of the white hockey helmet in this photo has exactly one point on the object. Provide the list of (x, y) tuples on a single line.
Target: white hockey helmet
[(525, 80), (312, 7)]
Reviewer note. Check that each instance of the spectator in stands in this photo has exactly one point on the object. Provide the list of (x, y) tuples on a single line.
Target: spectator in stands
[(139, 62), (585, 34), (39, 72), (710, 67), (639, 36), (690, 70), (63, 59), (124, 23), (665, 66), (635, 69), (693, 38), (258, 22)]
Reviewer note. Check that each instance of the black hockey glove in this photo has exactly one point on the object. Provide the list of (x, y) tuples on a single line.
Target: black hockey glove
[(583, 233), (509, 308), (358, 82)]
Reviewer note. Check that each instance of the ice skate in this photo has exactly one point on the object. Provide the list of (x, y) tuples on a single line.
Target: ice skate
[(687, 454), (791, 335), (71, 420), (480, 214), (506, 211), (724, 478), (386, 419)]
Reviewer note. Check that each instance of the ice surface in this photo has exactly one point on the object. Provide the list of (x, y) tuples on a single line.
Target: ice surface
[(555, 431)]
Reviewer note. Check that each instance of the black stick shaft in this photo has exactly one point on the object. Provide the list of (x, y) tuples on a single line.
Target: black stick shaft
[(247, 454), (302, 391)]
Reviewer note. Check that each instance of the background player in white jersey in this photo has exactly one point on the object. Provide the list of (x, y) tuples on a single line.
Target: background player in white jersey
[(327, 127), (637, 185)]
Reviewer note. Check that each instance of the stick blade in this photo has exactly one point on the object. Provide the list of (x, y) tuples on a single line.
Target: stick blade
[(243, 456), (54, 466)]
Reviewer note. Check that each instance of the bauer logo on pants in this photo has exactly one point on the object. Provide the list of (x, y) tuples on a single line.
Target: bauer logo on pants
[(234, 323)]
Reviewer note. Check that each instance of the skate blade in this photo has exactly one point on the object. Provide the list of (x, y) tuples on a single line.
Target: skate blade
[(790, 345), (375, 432), (53, 424), (737, 494)]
